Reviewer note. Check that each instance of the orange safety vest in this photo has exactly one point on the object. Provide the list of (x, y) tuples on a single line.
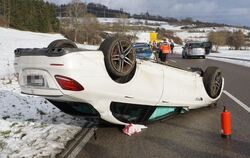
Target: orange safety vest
[(165, 48)]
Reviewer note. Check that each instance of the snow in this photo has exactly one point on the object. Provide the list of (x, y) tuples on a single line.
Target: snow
[(192, 36), (11, 39), (31, 126), (239, 57), (171, 27), (131, 21), (143, 37), (28, 139)]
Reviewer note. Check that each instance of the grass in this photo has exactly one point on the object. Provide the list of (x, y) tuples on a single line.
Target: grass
[(2, 145)]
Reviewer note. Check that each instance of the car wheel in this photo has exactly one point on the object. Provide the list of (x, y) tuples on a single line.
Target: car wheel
[(62, 43), (119, 57), (212, 80), (204, 57)]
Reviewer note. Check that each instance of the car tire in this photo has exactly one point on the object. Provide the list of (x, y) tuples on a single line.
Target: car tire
[(212, 79), (119, 57), (204, 57), (61, 43)]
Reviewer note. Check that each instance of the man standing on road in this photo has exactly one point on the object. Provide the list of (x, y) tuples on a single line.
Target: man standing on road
[(155, 49), (172, 46), (165, 49)]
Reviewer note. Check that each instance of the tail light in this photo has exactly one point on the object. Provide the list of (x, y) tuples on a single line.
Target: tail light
[(68, 84)]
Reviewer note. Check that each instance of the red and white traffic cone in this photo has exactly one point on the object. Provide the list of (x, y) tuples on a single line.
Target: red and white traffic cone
[(226, 123)]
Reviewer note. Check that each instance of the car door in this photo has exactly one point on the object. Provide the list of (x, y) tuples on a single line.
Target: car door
[(179, 87), (147, 85)]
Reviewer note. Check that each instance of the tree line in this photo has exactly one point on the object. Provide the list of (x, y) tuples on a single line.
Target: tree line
[(32, 15)]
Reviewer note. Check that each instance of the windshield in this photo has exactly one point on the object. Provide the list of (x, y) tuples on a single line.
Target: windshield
[(196, 45), (142, 49)]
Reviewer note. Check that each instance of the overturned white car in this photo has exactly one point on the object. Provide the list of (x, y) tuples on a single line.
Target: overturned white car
[(112, 83)]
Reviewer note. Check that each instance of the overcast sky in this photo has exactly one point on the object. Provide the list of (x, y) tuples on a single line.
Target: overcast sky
[(221, 11)]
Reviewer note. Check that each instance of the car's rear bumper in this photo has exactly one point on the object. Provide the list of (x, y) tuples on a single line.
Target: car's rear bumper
[(41, 92), (196, 54)]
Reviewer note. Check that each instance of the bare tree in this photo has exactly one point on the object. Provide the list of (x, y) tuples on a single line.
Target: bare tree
[(91, 28), (120, 26), (76, 10), (218, 38), (236, 40)]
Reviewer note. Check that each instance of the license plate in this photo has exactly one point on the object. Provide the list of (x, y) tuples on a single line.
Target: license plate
[(35, 80)]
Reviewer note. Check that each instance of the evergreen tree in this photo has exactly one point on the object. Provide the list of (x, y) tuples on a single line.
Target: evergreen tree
[(33, 15)]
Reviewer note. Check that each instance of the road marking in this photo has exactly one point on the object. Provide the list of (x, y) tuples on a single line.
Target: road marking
[(80, 146), (77, 145), (244, 106)]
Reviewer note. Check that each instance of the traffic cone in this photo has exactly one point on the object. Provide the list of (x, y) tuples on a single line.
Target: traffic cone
[(226, 123)]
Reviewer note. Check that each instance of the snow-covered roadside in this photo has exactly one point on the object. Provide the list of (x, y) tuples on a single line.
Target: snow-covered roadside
[(31, 126), (236, 54), (238, 57), (30, 139), (237, 62)]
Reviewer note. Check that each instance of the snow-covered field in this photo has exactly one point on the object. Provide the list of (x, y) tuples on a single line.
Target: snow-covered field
[(29, 126), (239, 57), (11, 39)]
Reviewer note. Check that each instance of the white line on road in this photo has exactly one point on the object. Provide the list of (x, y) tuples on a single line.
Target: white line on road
[(237, 101), (82, 143)]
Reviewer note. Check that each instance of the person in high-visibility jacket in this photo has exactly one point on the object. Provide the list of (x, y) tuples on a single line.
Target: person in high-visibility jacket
[(165, 50)]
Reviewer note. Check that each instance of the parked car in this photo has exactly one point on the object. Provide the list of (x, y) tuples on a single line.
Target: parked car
[(143, 50), (111, 83), (196, 49)]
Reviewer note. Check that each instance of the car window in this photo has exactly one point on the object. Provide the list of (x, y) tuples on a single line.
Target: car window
[(143, 51), (196, 45), (161, 112), (130, 113)]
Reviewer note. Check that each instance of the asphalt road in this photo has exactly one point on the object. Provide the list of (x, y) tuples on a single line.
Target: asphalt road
[(193, 134)]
